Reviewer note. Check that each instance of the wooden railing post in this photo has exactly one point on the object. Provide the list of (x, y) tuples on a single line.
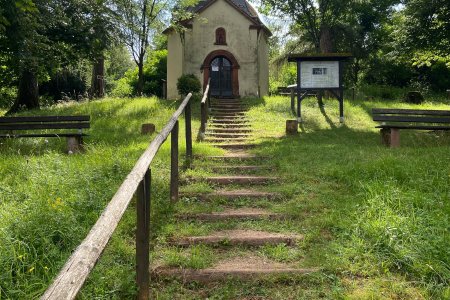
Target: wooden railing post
[(204, 112), (293, 100), (174, 163), (209, 98), (143, 237), (187, 117)]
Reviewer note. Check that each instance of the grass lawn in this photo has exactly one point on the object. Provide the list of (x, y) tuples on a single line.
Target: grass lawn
[(375, 220), (49, 200)]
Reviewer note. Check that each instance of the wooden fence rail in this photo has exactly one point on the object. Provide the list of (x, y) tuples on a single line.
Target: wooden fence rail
[(72, 276), (205, 107)]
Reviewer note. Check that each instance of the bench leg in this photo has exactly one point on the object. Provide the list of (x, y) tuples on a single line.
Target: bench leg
[(390, 137), (74, 144)]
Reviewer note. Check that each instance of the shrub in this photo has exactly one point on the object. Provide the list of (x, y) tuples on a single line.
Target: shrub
[(7, 96), (122, 88), (155, 70), (188, 84)]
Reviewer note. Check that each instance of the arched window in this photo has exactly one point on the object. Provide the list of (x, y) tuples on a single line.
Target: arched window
[(221, 36)]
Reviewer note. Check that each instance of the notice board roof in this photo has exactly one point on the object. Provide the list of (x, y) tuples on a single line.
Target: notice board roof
[(319, 56)]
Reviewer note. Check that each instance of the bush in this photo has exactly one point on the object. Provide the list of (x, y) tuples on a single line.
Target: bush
[(282, 75), (188, 84), (69, 82), (155, 71), (7, 96), (122, 88)]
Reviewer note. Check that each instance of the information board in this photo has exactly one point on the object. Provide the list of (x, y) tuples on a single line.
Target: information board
[(319, 74)]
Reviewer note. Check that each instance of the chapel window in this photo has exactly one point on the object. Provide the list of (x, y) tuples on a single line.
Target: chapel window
[(221, 36)]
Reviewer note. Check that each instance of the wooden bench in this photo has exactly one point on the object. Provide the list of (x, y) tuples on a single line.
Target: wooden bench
[(290, 91), (9, 125), (395, 119)]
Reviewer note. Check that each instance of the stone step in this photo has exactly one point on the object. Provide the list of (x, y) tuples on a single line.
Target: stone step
[(225, 140), (236, 268), (233, 195), (227, 135), (224, 180), (219, 115), (228, 117), (235, 156), (251, 238), (234, 146), (228, 109), (229, 130), (238, 168), (235, 214), (221, 127), (228, 106), (227, 101), (233, 122)]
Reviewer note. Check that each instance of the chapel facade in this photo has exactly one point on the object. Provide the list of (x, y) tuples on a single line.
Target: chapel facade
[(227, 43)]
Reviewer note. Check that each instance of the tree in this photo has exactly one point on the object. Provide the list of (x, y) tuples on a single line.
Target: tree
[(104, 31), (317, 19), (426, 25), (345, 26), (364, 30), (139, 23), (21, 44), (42, 36), (421, 42)]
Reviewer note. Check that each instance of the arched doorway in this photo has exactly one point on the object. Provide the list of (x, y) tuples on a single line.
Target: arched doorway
[(220, 73), (223, 68)]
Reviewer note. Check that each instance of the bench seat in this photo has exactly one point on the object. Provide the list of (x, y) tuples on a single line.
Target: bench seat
[(394, 120), (42, 124), (13, 135), (417, 127)]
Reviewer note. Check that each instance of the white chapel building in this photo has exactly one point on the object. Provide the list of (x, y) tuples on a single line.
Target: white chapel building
[(226, 42)]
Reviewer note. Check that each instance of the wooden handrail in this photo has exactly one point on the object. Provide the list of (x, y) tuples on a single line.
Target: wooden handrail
[(206, 93), (205, 105), (78, 267)]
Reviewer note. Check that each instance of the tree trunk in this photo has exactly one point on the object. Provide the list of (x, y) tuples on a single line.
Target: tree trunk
[(98, 78), (326, 46), (28, 92), (326, 40), (140, 86)]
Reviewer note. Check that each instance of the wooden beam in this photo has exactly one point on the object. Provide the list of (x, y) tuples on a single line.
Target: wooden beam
[(174, 163), (39, 119), (143, 237)]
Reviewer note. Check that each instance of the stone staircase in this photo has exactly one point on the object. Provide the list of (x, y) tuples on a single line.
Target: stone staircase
[(238, 176)]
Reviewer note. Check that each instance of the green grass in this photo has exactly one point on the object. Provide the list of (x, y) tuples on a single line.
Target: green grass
[(196, 257), (49, 200), (375, 220), (372, 211)]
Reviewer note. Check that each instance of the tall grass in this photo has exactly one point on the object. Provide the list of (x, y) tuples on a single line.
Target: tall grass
[(388, 209), (49, 200), (374, 219)]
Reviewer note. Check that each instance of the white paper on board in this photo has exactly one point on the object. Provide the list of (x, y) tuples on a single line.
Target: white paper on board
[(323, 74)]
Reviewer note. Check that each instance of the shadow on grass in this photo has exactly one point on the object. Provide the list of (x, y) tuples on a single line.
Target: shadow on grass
[(327, 118)]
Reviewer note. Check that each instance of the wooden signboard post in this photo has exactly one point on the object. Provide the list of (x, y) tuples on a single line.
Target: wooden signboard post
[(320, 72)]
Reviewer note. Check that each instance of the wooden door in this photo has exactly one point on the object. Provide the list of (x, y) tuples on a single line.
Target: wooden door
[(221, 78)]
